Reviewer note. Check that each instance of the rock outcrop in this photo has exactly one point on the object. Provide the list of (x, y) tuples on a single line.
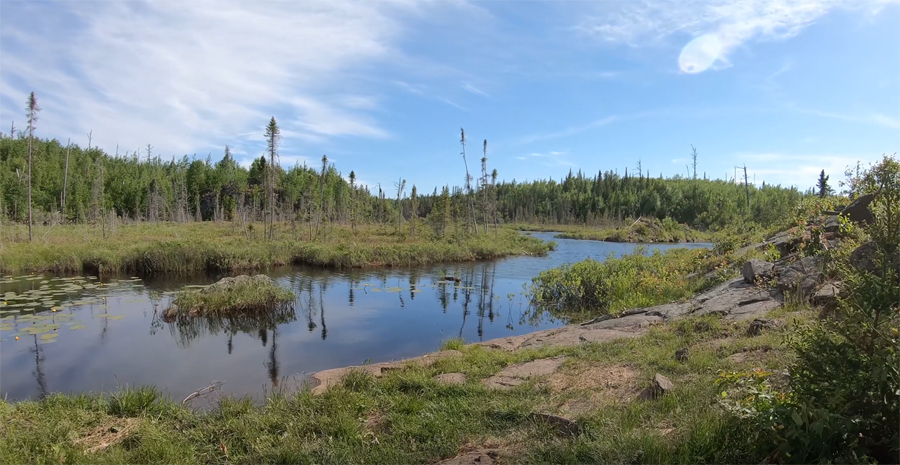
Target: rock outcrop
[(858, 210), (756, 270), (802, 276)]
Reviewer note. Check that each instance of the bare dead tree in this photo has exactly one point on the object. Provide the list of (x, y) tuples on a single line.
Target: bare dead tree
[(470, 207)]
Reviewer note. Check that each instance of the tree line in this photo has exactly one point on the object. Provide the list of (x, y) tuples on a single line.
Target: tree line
[(55, 182)]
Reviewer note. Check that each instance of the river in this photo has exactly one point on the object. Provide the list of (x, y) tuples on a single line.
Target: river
[(84, 333)]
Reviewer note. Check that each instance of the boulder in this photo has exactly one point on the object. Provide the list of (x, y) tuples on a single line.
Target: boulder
[(658, 387), (802, 276), (784, 242), (832, 225), (826, 295), (758, 325), (858, 210), (863, 258), (755, 270)]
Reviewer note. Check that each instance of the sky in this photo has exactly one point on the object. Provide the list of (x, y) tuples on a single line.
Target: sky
[(786, 87)]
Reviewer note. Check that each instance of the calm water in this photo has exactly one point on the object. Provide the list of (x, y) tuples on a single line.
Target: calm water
[(108, 333)]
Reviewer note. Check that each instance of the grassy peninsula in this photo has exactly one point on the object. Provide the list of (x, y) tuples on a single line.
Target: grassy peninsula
[(146, 248)]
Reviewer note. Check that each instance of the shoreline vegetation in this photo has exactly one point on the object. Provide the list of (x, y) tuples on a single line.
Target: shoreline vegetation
[(641, 230), (182, 248), (734, 391), (229, 297)]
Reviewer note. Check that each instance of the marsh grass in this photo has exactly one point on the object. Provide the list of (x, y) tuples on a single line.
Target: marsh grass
[(408, 417), (231, 297), (182, 248)]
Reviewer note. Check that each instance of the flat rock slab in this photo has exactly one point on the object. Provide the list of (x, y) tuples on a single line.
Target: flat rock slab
[(517, 374), (334, 376), (451, 378), (733, 300)]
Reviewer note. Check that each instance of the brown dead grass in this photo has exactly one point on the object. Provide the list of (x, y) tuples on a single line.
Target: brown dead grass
[(110, 431), (582, 388)]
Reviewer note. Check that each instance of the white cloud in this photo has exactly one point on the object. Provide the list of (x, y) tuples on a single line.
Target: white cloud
[(720, 26), (187, 76)]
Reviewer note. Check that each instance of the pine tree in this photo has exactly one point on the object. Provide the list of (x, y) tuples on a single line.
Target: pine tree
[(33, 109), (273, 136), (824, 188), (352, 194)]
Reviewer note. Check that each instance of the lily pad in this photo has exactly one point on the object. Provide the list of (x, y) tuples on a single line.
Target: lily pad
[(47, 337)]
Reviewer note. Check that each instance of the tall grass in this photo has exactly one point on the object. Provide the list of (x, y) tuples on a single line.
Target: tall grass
[(222, 247), (591, 288)]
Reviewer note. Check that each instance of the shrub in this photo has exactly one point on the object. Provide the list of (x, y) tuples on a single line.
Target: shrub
[(844, 399)]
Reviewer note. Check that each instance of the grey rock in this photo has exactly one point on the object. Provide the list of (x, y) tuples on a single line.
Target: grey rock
[(827, 294), (517, 374), (756, 270), (784, 242), (802, 276), (658, 387), (858, 210), (758, 325), (832, 225), (863, 258)]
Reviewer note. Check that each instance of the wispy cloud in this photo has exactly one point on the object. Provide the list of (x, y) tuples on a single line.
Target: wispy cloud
[(474, 90), (800, 170), (873, 119), (454, 104), (571, 130), (727, 23), (187, 76), (411, 88)]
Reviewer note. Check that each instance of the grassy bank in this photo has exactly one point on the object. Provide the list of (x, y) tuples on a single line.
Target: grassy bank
[(591, 288), (409, 417), (642, 230), (147, 248)]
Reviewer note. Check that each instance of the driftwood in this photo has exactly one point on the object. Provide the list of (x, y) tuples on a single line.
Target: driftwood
[(203, 392)]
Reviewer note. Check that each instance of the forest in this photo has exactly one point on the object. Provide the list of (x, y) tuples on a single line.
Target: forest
[(71, 184)]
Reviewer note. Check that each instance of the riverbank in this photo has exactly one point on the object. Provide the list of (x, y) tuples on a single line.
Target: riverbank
[(561, 403), (644, 385), (642, 230), (181, 248), (569, 395)]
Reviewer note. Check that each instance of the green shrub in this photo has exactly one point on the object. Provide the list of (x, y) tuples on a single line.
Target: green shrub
[(844, 398)]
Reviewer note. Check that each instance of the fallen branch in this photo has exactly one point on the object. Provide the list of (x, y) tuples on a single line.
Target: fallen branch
[(203, 392)]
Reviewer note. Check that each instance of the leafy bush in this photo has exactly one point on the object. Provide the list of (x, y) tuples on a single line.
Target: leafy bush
[(844, 399)]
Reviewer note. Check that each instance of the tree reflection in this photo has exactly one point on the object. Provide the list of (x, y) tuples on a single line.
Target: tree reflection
[(185, 329)]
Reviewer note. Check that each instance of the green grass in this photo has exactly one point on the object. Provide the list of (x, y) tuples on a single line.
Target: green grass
[(643, 230), (173, 248), (407, 417), (230, 297)]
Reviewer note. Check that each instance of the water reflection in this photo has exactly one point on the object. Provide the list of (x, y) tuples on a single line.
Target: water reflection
[(110, 335), (185, 329)]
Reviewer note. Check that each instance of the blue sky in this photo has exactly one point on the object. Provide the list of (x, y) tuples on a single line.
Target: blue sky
[(787, 87)]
